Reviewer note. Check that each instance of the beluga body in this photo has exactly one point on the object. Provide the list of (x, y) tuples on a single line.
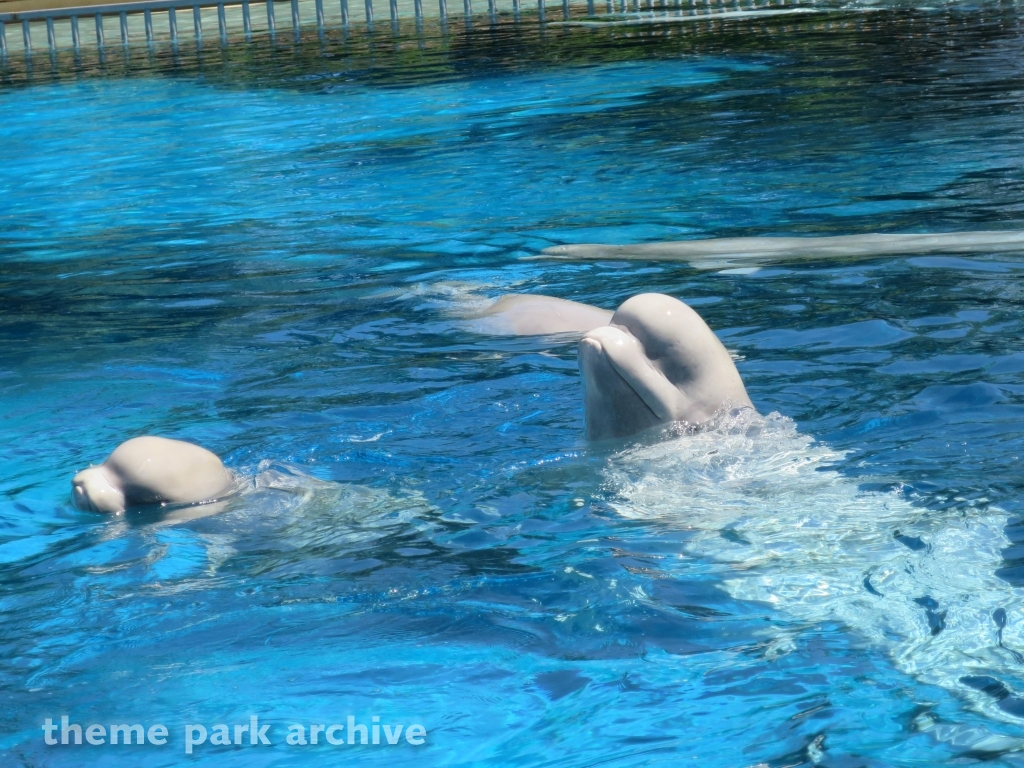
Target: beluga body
[(519, 314), (656, 362)]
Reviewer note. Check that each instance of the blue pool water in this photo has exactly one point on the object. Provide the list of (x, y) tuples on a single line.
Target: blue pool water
[(271, 252)]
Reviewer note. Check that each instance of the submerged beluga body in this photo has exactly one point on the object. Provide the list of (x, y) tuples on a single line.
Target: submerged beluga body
[(717, 253)]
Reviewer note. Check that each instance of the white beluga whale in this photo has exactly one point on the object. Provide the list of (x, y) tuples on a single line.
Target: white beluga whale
[(151, 470), (520, 314), (652, 361), (718, 253), (656, 362)]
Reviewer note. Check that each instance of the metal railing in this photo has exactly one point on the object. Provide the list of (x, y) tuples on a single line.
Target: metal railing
[(692, 9), (170, 7)]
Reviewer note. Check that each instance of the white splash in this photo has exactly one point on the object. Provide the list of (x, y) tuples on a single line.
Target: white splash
[(790, 530)]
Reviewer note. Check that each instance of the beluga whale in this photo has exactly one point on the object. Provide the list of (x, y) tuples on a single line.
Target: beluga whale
[(151, 470), (718, 253), (652, 361), (656, 362)]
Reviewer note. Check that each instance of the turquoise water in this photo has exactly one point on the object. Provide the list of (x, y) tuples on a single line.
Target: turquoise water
[(271, 252)]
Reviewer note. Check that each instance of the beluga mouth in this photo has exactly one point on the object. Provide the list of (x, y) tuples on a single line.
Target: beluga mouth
[(656, 362)]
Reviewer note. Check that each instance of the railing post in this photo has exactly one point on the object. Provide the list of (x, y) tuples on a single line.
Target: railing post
[(172, 23), (540, 9), (124, 29), (344, 13), (418, 10), (26, 36), (99, 30), (467, 9), (149, 26), (3, 40), (565, 9), (320, 16), (76, 41), (197, 23), (295, 17), (369, 14), (51, 38), (394, 12), (246, 20), (222, 24), (442, 6), (271, 27)]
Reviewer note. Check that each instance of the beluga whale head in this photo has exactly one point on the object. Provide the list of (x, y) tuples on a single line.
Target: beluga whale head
[(151, 470), (656, 362)]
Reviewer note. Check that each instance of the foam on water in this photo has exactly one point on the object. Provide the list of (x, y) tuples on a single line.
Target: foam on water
[(765, 500)]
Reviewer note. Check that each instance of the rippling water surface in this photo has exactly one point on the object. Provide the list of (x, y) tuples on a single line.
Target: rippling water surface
[(270, 251)]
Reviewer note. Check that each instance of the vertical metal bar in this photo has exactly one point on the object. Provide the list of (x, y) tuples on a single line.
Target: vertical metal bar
[(540, 9), (295, 16), (609, 6), (320, 16), (3, 40), (418, 10), (172, 23), (149, 25), (99, 29), (222, 24), (271, 27), (369, 14), (124, 29), (51, 38), (246, 20), (516, 8), (26, 36), (467, 8), (394, 12), (76, 41), (442, 6), (491, 9), (344, 13), (565, 9), (197, 23)]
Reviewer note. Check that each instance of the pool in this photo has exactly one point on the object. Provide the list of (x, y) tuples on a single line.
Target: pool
[(271, 252)]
